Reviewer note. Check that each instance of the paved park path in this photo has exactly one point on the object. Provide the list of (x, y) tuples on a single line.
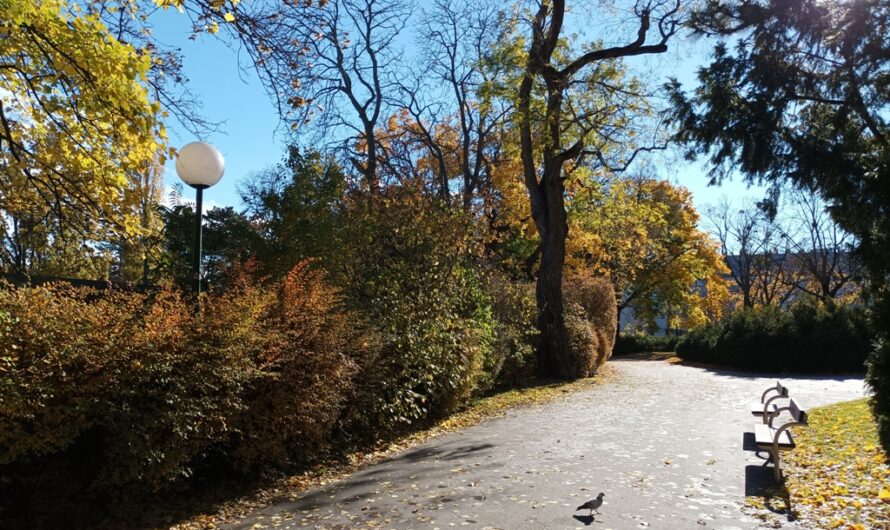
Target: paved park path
[(663, 442)]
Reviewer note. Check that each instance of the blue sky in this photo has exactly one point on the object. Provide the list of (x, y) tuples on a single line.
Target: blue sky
[(249, 142)]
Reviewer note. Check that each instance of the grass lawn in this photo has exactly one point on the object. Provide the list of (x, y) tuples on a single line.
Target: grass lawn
[(837, 477)]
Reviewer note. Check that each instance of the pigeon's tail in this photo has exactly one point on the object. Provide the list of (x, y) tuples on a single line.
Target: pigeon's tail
[(582, 507)]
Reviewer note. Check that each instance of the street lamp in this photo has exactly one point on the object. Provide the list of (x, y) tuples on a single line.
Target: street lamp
[(200, 166)]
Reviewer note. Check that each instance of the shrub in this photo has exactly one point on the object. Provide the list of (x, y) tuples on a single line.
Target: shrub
[(878, 376), (138, 389), (513, 358), (408, 265), (150, 386), (808, 337), (305, 372), (592, 299), (584, 343), (643, 343)]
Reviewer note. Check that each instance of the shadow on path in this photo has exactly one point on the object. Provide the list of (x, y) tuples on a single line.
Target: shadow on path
[(760, 482), (442, 453), (364, 484)]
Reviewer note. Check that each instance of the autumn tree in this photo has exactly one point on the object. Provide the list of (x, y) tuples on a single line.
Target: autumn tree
[(642, 233), (453, 121), (331, 64), (76, 123), (568, 134), (801, 97)]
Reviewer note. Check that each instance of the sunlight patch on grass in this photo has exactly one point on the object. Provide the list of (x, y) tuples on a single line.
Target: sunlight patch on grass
[(838, 476)]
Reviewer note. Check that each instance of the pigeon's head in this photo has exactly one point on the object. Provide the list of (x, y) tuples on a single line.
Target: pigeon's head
[(601, 495)]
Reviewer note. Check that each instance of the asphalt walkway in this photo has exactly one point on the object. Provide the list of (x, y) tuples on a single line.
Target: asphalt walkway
[(665, 443)]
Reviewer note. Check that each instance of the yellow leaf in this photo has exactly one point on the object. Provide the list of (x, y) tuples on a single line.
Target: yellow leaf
[(884, 495), (229, 17)]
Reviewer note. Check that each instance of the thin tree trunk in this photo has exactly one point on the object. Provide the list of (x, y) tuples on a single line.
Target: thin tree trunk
[(371, 163)]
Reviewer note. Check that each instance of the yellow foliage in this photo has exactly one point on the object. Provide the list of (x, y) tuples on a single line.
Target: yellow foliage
[(642, 233), (838, 471), (78, 122)]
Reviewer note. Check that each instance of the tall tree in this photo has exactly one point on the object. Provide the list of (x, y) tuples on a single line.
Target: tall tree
[(453, 120), (569, 134), (803, 98), (295, 207), (329, 63), (756, 253), (230, 239)]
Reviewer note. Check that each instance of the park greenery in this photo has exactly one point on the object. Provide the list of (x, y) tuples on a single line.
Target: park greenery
[(807, 337), (801, 98), (453, 230)]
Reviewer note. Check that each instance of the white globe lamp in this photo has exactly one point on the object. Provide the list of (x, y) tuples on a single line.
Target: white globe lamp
[(200, 165)]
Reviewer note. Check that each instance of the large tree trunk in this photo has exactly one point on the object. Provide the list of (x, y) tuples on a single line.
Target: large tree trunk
[(555, 354), (548, 211)]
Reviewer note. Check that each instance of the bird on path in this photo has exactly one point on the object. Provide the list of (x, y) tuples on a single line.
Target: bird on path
[(592, 505)]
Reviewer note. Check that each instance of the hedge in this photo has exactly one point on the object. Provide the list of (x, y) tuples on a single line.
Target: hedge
[(643, 343), (808, 337)]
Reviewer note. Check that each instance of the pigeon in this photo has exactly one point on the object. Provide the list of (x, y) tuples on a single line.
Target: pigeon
[(592, 505)]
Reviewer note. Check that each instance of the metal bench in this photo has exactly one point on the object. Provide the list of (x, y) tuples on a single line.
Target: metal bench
[(766, 404), (774, 439)]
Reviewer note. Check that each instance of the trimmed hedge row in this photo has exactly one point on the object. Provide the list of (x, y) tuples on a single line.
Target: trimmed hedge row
[(806, 338), (642, 343)]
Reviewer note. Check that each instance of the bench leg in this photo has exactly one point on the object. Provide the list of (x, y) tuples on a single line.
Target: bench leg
[(777, 469)]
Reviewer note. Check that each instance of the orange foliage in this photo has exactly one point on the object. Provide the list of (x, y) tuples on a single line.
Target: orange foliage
[(262, 371)]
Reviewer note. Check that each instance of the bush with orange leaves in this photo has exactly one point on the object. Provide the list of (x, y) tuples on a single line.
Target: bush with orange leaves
[(591, 319), (305, 372), (138, 388)]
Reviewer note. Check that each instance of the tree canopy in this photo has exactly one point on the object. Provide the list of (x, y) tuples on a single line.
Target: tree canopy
[(801, 96), (77, 126), (642, 233)]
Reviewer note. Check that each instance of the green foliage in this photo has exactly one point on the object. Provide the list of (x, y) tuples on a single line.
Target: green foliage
[(878, 375), (642, 343), (513, 358), (407, 265), (296, 207), (809, 338), (802, 98), (229, 239), (138, 389)]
